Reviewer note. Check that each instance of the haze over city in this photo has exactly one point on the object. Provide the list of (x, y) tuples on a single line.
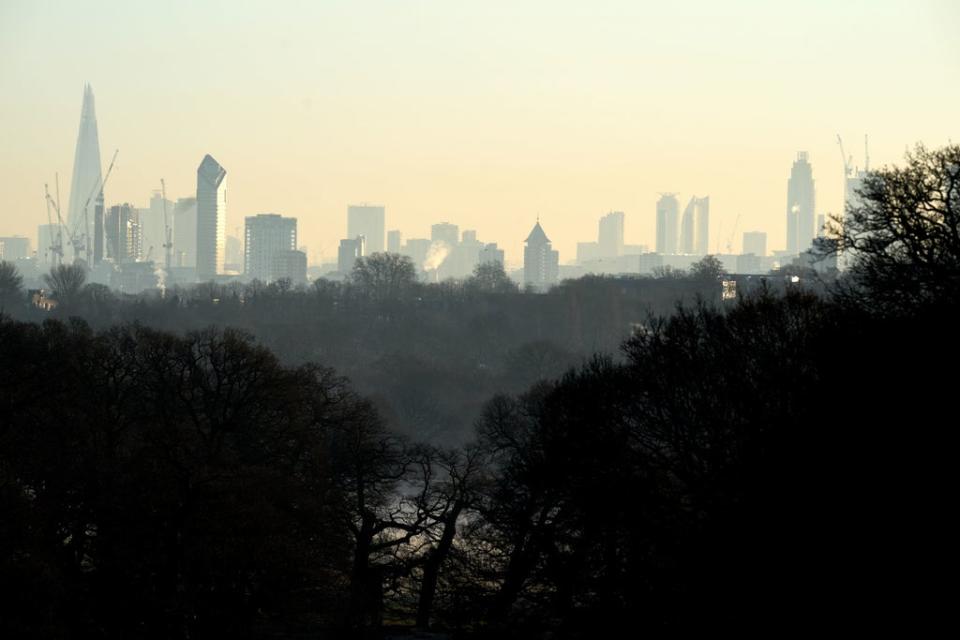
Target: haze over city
[(484, 115), (530, 319)]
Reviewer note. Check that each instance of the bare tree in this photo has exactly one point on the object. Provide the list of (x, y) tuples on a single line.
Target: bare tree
[(66, 281), (901, 237)]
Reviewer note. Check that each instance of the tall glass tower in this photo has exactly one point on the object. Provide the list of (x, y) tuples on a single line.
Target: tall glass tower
[(86, 174), (211, 218)]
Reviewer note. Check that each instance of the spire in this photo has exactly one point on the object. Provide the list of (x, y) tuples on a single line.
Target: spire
[(537, 236), (86, 170)]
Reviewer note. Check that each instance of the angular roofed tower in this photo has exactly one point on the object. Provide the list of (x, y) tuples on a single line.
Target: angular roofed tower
[(541, 264), (211, 218)]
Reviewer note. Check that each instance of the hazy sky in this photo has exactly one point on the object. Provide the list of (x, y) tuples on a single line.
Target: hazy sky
[(478, 113)]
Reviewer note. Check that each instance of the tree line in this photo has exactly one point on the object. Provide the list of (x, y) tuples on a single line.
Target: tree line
[(779, 464)]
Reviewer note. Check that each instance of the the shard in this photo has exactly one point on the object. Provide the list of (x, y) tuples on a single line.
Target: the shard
[(86, 173)]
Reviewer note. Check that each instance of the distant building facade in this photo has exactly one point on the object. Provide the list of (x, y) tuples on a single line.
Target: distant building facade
[(265, 236), (14, 248), (801, 204), (350, 249), (290, 265), (123, 234), (368, 221), (541, 264), (185, 233), (668, 209), (695, 227), (394, 241), (610, 235), (211, 218), (755, 242)]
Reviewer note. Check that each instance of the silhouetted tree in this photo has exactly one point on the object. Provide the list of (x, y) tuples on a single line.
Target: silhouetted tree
[(65, 282), (489, 277), (384, 276), (11, 285), (902, 234)]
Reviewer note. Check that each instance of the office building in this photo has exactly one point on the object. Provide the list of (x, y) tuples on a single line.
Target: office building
[(265, 236), (367, 221), (14, 248), (668, 208), (610, 235), (211, 218), (801, 203), (123, 234)]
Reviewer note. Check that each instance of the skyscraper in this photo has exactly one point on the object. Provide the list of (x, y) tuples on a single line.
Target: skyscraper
[(695, 227), (445, 232), (211, 218), (266, 236), (800, 205), (541, 264), (668, 209), (86, 172), (610, 234), (687, 227), (367, 221), (702, 224), (123, 233)]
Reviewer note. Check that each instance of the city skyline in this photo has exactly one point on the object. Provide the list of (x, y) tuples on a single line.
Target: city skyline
[(469, 138)]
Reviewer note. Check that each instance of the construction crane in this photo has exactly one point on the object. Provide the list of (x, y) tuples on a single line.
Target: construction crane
[(866, 154), (56, 240), (57, 247), (847, 160), (167, 235), (83, 243), (732, 234)]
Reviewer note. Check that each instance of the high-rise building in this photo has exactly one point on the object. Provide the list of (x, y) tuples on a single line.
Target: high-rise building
[(541, 264), (702, 224), (445, 232), (610, 234), (266, 235), (367, 221), (349, 251), (154, 224), (394, 241), (123, 234), (185, 233), (668, 208), (755, 242), (687, 227), (211, 218), (800, 205), (85, 185), (695, 227), (14, 248)]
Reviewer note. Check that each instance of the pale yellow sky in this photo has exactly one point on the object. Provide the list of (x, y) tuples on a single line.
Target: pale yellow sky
[(483, 114)]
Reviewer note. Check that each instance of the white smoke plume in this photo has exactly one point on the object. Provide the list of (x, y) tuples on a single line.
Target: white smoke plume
[(436, 254)]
